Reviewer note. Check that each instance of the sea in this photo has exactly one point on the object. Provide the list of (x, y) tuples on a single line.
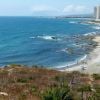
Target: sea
[(47, 42)]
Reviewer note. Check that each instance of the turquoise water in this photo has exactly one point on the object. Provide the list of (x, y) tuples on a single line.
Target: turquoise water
[(42, 41)]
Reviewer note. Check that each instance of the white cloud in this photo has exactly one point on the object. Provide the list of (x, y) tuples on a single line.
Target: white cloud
[(74, 9), (51, 10), (43, 8)]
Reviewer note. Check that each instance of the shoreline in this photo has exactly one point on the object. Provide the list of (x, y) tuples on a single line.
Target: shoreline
[(91, 64)]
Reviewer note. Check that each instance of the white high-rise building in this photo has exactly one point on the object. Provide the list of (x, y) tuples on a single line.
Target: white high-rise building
[(97, 12)]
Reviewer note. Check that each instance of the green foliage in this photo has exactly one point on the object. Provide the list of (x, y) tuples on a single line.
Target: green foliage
[(22, 80), (85, 88), (31, 78), (4, 72), (23, 72), (23, 96), (14, 65), (23, 83), (59, 78), (33, 89), (97, 88), (96, 76), (96, 96), (57, 93)]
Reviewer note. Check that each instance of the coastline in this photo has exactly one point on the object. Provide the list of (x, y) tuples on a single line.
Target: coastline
[(91, 64)]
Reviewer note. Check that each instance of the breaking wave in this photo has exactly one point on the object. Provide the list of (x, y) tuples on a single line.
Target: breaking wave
[(90, 34), (46, 37), (72, 64)]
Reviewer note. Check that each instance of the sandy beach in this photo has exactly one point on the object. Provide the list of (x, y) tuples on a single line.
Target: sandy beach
[(92, 63)]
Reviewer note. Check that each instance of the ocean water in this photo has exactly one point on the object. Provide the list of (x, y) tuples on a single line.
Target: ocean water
[(47, 42)]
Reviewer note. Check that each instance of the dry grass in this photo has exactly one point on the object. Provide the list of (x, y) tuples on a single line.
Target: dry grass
[(24, 83)]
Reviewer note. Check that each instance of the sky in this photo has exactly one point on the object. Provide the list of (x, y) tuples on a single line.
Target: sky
[(46, 7)]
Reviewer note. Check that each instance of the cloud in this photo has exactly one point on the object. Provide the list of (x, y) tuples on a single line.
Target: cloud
[(74, 9), (43, 8), (51, 10)]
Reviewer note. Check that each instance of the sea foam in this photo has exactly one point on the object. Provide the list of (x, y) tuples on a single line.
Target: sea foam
[(44, 37), (96, 27), (72, 64), (73, 22), (48, 37), (90, 34)]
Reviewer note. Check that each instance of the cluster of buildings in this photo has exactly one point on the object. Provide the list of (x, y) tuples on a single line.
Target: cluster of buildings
[(97, 13)]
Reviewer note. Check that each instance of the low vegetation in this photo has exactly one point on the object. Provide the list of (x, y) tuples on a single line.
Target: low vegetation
[(19, 82)]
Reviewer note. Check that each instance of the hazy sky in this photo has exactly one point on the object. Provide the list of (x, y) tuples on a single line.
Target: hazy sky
[(46, 7)]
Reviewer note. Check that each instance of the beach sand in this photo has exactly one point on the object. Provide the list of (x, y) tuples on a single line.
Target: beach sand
[(92, 63)]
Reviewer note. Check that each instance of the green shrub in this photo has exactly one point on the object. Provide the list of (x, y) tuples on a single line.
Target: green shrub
[(97, 88), (23, 96), (58, 93), (33, 89), (22, 80), (96, 76), (14, 65), (85, 88)]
